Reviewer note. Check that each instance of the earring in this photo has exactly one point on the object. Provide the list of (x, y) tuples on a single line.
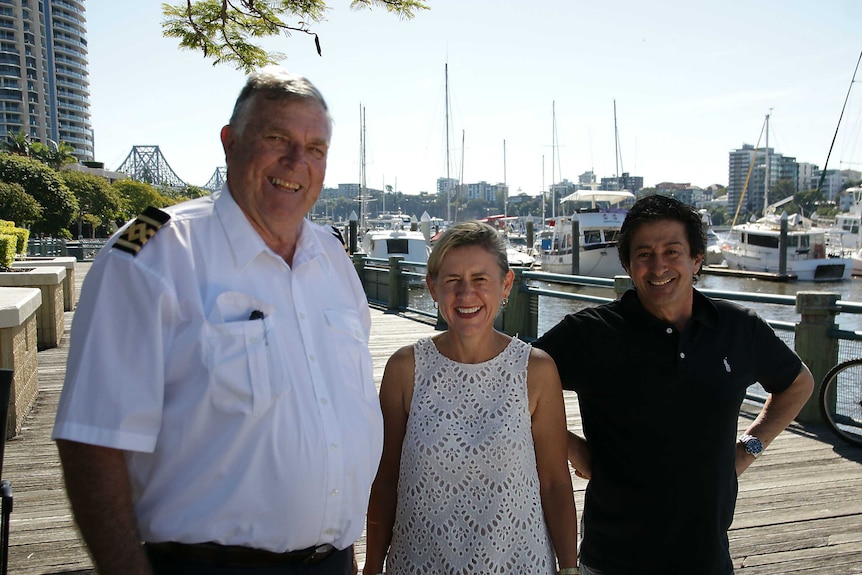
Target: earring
[(505, 300), (435, 303)]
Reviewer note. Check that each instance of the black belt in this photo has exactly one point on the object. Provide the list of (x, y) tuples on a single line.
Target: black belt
[(237, 556)]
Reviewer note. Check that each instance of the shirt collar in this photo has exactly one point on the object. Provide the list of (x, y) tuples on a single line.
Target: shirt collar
[(246, 244), (703, 312)]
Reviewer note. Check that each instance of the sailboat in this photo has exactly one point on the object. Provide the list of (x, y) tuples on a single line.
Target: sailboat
[(600, 215), (389, 234), (756, 246)]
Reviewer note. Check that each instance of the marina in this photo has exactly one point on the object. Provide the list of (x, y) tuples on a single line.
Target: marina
[(799, 508)]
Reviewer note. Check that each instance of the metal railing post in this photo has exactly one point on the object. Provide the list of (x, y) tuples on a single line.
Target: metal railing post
[(817, 349)]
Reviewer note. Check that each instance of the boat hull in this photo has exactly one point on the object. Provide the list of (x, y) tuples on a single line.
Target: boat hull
[(601, 262), (818, 269)]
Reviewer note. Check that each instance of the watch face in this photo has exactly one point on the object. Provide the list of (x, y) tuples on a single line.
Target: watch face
[(753, 445)]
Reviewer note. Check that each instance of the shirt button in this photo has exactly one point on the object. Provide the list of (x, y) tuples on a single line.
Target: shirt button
[(324, 401), (255, 340), (329, 532), (301, 315), (682, 355), (311, 358), (669, 330), (334, 446), (334, 492)]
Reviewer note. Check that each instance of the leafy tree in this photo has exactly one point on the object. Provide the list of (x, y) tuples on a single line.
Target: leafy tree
[(17, 143), (808, 201), (18, 206), (60, 207), (137, 196), (98, 202), (54, 155), (782, 189), (226, 30), (187, 192)]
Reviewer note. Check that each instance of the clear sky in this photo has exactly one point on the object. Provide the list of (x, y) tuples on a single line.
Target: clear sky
[(692, 80)]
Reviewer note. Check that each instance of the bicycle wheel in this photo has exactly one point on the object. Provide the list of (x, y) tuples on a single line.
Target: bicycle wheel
[(841, 400)]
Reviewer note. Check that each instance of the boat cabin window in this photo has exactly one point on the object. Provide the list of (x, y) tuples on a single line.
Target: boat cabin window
[(396, 246), (851, 226), (592, 237), (762, 241), (611, 235)]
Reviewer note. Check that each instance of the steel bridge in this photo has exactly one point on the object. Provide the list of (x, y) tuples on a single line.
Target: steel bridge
[(148, 164)]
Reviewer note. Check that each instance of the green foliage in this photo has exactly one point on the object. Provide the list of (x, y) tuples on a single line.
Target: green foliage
[(17, 204), (187, 192), (98, 202), (17, 143), (59, 205), (55, 156), (8, 244), (136, 196), (228, 32), (22, 235), (808, 201)]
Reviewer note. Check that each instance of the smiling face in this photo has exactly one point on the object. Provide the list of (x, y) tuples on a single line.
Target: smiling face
[(276, 162), (662, 269), (468, 288)]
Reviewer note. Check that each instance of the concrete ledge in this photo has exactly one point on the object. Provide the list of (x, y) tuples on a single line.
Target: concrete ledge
[(18, 346), (17, 304), (68, 262), (49, 317)]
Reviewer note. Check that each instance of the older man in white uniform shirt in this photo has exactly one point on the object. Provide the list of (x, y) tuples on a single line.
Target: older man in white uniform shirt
[(219, 404)]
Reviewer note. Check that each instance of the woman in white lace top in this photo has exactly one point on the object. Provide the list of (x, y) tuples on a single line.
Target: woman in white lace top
[(474, 477)]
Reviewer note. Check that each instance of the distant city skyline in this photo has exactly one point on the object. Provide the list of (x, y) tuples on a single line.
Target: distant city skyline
[(692, 82)]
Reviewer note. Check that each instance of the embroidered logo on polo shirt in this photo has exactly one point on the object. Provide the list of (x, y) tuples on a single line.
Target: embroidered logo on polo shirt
[(726, 365), (141, 230)]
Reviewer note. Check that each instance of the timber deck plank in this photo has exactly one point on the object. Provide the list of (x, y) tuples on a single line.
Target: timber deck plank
[(799, 510)]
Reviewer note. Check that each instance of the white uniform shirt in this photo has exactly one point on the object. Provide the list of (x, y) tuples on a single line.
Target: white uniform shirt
[(258, 432)]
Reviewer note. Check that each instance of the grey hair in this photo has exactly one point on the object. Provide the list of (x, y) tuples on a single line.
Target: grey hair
[(273, 83)]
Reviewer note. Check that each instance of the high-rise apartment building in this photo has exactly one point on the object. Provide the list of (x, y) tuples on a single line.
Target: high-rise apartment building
[(749, 163), (44, 85)]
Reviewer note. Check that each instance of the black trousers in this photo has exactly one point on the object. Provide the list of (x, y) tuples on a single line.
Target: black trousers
[(338, 563)]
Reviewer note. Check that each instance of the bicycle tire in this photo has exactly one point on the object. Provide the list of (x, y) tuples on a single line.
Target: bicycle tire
[(841, 400)]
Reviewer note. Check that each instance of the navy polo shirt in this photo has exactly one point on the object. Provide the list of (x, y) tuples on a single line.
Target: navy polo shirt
[(659, 409)]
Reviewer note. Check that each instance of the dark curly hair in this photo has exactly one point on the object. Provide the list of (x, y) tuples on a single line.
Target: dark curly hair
[(655, 208)]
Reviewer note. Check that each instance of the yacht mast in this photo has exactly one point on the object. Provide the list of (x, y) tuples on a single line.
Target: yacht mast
[(448, 182), (362, 212), (553, 149), (766, 170), (505, 187)]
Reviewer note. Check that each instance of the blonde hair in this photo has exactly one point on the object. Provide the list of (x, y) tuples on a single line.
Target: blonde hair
[(471, 233)]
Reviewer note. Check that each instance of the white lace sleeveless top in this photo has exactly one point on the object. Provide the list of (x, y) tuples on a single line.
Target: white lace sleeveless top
[(468, 489)]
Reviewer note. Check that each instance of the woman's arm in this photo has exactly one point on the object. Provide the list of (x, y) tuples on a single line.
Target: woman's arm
[(396, 391), (551, 443)]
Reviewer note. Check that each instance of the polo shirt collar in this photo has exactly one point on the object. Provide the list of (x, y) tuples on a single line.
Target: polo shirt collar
[(704, 311), (246, 244)]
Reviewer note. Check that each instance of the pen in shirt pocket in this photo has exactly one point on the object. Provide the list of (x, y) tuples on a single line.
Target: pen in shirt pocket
[(257, 314)]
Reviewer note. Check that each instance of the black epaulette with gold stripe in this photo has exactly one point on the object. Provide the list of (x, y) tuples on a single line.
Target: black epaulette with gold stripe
[(337, 233), (141, 230)]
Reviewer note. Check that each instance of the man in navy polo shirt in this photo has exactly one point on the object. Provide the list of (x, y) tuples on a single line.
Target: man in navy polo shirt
[(660, 376)]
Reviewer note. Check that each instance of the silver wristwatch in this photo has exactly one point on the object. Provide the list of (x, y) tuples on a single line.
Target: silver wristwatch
[(751, 444)]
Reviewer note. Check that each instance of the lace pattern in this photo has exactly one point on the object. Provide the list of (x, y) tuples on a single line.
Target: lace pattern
[(468, 489)]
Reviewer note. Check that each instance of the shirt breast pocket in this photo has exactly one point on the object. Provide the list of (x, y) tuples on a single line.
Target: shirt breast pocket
[(236, 355), (351, 345)]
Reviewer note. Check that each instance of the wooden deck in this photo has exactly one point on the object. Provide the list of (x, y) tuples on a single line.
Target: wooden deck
[(799, 508)]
